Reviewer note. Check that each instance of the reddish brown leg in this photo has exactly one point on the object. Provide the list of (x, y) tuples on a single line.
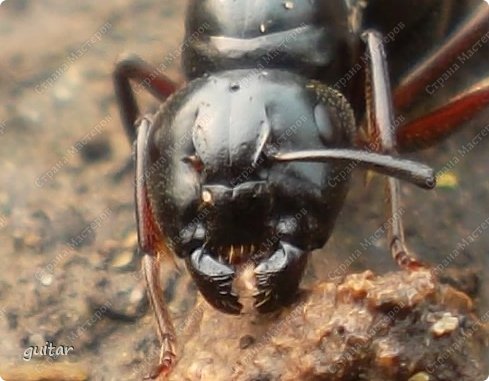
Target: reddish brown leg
[(433, 66), (382, 139), (148, 77), (152, 246), (431, 128), (151, 242)]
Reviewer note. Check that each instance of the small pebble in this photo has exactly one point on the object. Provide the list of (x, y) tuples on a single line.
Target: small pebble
[(421, 376), (123, 259), (447, 180), (47, 280), (447, 324), (246, 341), (137, 295)]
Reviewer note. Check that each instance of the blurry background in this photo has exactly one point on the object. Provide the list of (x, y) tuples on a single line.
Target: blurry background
[(69, 271)]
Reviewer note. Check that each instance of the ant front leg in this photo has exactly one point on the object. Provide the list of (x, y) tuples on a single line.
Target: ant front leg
[(150, 238), (152, 245), (133, 67), (380, 122)]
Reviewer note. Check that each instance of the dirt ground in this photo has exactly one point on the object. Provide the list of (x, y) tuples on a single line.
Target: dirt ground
[(70, 274)]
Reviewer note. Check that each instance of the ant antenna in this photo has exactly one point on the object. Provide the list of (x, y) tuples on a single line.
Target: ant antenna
[(411, 171)]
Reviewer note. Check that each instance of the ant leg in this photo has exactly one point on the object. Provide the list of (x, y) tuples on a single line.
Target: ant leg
[(382, 138), (431, 128), (435, 64), (133, 67), (152, 246)]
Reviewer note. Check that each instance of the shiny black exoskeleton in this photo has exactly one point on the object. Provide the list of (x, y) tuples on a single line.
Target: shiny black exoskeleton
[(223, 132), (249, 162), (223, 200), (252, 96)]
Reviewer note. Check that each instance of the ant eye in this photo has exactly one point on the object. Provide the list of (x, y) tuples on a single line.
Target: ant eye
[(195, 162)]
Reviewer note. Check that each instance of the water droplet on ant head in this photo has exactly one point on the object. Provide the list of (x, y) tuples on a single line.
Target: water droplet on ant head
[(263, 28), (207, 197)]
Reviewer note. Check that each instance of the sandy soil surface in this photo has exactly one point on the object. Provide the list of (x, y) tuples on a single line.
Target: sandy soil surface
[(70, 274)]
